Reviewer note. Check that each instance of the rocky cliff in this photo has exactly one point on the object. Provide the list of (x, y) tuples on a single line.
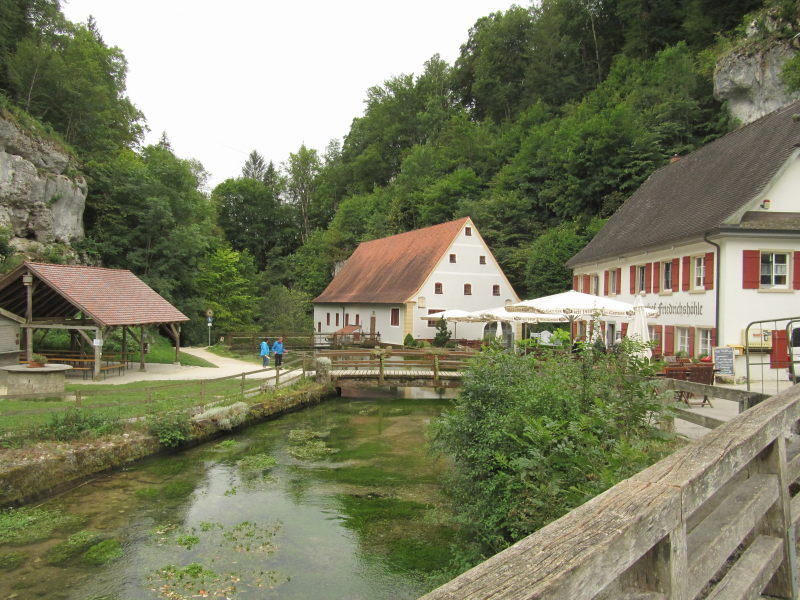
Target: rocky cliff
[(39, 203), (748, 77)]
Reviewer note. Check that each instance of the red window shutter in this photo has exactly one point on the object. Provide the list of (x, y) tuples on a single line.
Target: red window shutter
[(624, 329), (796, 272), (575, 282), (751, 263), (585, 288), (648, 274), (605, 283), (713, 338), (676, 274), (709, 270), (779, 355), (656, 277), (691, 342), (686, 274), (619, 281), (633, 279), (669, 340), (574, 330)]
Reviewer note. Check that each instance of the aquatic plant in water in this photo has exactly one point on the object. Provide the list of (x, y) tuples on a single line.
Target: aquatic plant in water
[(71, 547), (309, 445), (103, 553), (11, 560), (24, 525), (197, 580), (256, 462)]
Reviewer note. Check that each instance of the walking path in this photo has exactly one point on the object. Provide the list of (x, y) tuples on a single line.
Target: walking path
[(224, 367)]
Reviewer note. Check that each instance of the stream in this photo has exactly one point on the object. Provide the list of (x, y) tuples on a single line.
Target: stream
[(340, 500)]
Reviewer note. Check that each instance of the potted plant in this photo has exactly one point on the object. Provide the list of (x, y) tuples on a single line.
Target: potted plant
[(682, 356), (37, 360)]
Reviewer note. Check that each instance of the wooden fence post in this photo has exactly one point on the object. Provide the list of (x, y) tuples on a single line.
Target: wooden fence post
[(78, 398), (435, 368), (241, 385), (380, 368), (778, 520), (277, 376), (202, 390)]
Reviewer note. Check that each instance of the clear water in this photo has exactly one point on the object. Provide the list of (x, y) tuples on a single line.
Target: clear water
[(363, 522)]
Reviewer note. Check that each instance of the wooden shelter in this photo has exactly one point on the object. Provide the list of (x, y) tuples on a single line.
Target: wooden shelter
[(85, 299)]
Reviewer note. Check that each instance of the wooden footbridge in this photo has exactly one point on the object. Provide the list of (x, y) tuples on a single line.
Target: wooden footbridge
[(396, 368), (715, 520)]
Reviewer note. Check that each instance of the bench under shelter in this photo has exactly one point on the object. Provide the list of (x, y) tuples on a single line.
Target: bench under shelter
[(89, 302)]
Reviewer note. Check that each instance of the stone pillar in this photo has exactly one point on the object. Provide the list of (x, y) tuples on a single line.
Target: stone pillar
[(323, 368)]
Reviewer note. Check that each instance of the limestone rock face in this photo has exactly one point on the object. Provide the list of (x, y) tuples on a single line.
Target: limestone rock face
[(38, 202), (751, 82)]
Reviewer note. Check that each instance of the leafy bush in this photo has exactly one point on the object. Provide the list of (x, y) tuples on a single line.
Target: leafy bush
[(409, 341), (75, 423), (171, 428), (442, 337), (532, 438)]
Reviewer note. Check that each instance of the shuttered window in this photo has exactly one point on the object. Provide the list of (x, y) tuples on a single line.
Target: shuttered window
[(395, 318)]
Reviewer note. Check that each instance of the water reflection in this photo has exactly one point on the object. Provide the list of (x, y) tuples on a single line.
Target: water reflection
[(337, 501)]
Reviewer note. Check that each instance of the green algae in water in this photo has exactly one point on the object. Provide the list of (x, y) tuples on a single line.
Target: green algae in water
[(25, 525), (368, 476), (71, 547), (412, 554), (11, 560), (103, 553), (365, 451), (226, 444), (178, 489), (306, 444), (168, 467), (256, 462), (363, 511)]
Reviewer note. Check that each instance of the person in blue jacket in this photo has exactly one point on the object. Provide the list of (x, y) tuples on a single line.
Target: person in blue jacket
[(264, 353), (277, 350)]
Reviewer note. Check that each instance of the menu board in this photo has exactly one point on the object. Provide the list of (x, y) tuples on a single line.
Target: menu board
[(723, 361)]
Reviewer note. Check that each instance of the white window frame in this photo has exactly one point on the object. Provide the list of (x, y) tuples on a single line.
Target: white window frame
[(773, 274), (641, 278), (698, 273), (704, 341), (594, 284), (667, 266), (613, 284), (682, 339)]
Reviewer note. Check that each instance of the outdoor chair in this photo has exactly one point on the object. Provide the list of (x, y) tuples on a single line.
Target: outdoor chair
[(701, 373), (681, 374)]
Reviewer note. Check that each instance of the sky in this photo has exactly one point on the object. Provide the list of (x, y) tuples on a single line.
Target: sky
[(225, 78)]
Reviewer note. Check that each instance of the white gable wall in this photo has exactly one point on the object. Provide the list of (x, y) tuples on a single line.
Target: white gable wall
[(467, 269)]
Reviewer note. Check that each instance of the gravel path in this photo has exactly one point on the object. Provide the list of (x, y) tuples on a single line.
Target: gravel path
[(225, 367)]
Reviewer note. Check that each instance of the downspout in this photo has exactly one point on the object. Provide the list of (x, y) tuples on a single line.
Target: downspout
[(717, 271)]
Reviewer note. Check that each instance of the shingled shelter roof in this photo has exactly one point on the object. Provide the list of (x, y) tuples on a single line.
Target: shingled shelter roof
[(110, 297), (391, 269), (701, 191)]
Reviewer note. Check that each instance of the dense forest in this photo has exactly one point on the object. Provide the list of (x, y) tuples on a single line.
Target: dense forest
[(551, 115)]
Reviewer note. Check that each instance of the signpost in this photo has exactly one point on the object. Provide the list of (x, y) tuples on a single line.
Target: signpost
[(210, 317)]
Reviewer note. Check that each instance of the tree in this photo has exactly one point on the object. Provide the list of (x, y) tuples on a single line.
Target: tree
[(255, 167), (253, 219), (226, 278), (302, 170)]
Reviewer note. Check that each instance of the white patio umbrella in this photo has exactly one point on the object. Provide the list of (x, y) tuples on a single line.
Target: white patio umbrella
[(575, 305), (501, 314), (456, 315), (638, 330)]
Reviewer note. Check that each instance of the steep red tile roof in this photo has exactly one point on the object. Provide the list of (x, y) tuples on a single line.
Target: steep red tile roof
[(111, 297), (391, 269)]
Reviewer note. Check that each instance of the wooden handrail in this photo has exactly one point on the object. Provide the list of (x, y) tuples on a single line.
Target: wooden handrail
[(665, 532)]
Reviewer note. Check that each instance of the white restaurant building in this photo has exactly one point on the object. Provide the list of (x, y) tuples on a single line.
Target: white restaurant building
[(712, 240), (388, 285)]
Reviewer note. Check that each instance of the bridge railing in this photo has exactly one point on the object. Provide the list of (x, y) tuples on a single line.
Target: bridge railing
[(383, 361), (716, 519)]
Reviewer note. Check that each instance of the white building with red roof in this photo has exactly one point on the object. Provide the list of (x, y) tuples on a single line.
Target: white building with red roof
[(388, 285)]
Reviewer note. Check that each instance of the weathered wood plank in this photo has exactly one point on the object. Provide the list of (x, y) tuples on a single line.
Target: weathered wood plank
[(715, 539), (697, 418), (714, 391), (751, 573)]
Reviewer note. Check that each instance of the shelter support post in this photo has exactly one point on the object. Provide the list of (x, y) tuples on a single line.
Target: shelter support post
[(141, 348), (98, 353), (175, 330), (125, 346), (27, 280)]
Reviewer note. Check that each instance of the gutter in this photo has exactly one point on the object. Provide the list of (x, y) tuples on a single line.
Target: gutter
[(717, 271)]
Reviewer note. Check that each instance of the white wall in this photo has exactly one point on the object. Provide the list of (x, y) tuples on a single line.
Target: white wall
[(782, 192), (467, 269)]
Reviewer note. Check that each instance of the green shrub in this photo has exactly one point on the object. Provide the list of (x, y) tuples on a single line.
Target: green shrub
[(533, 437), (171, 428), (409, 341), (442, 337), (75, 423)]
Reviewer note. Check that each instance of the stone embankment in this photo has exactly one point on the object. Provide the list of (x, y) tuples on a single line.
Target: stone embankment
[(45, 470)]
